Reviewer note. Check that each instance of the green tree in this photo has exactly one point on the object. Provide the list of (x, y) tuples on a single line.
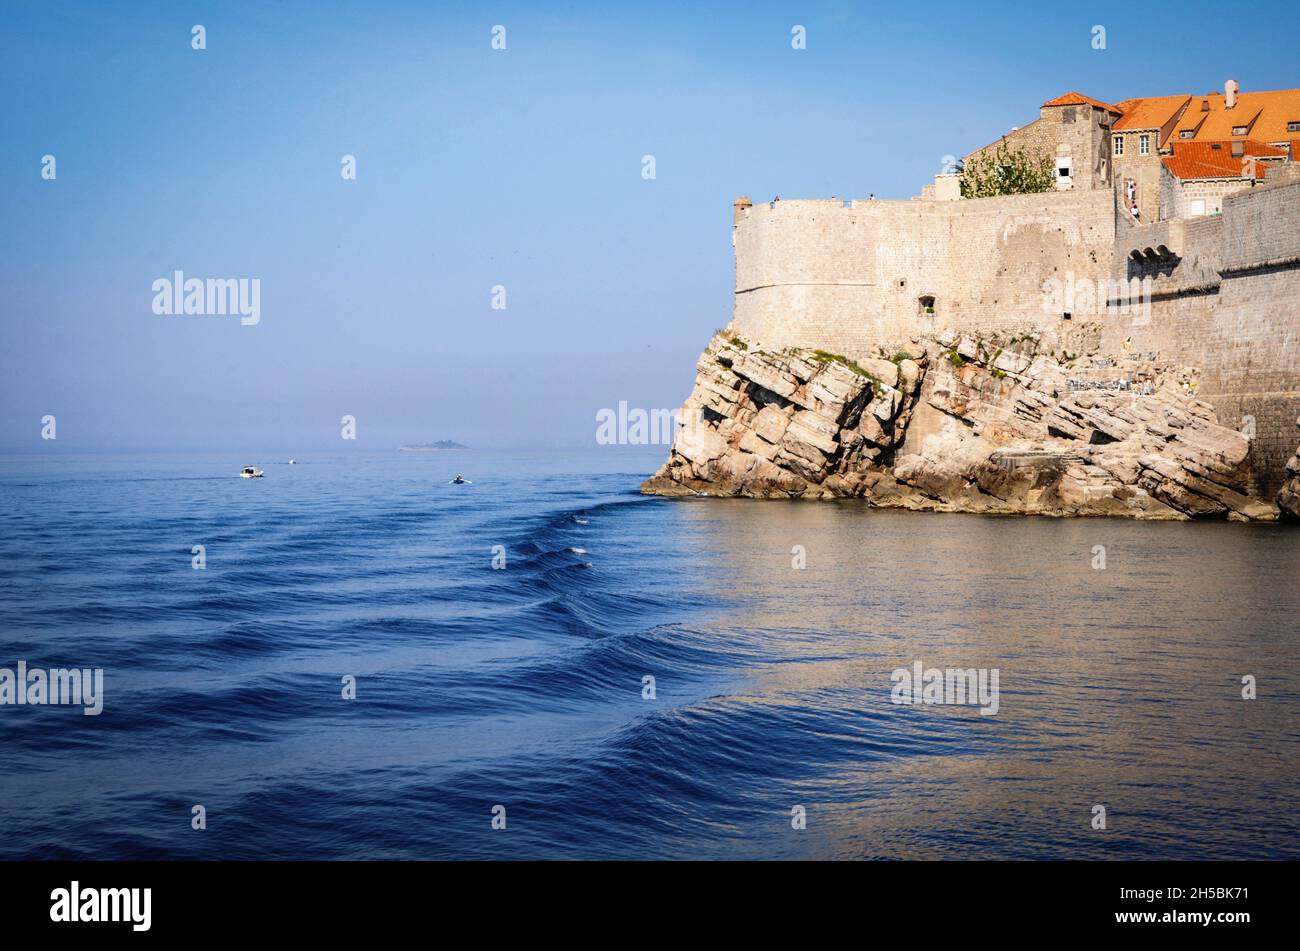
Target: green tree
[(1007, 171)]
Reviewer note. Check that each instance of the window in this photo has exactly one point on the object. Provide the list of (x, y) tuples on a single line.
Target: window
[(1144, 144), (1238, 149), (1293, 126), (1238, 130), (1119, 145), (1186, 133)]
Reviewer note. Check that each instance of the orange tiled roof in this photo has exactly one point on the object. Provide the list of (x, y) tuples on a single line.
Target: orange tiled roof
[(1148, 113), (1265, 115), (1079, 99), (1215, 159)]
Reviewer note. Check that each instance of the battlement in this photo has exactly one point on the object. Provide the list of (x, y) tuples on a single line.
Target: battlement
[(796, 205)]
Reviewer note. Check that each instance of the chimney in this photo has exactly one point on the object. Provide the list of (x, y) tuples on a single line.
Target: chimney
[(1230, 90)]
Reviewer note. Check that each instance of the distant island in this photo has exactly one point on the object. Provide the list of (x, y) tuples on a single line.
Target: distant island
[(432, 446)]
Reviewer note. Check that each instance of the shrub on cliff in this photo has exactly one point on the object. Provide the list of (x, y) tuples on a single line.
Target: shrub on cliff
[(731, 338), (1007, 171)]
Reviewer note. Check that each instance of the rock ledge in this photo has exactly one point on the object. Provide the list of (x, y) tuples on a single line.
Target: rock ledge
[(959, 423)]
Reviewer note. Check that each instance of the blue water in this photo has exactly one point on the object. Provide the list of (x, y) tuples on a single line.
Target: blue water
[(522, 687)]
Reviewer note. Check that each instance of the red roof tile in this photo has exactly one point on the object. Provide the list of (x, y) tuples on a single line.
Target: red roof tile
[(1264, 114), (1148, 113), (1079, 99), (1215, 159)]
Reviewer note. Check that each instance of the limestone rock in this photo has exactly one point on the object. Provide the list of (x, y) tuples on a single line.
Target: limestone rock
[(1288, 499), (973, 424), (783, 424)]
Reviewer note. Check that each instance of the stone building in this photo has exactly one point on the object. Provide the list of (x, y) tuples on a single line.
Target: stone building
[(1272, 117), (1138, 139), (1197, 176), (1124, 146), (1075, 130)]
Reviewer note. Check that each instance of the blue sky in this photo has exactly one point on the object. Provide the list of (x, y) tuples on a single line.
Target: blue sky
[(475, 168)]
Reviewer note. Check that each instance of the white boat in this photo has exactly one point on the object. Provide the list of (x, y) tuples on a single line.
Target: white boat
[(251, 472), (293, 462)]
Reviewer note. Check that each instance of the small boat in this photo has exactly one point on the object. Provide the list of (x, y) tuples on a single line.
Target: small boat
[(251, 472), (460, 480), (293, 462)]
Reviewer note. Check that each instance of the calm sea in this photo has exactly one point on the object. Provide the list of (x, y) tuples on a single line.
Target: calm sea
[(523, 686)]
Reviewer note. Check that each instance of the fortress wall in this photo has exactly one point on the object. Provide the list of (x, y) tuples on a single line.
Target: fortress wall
[(1262, 224), (1231, 306), (850, 279), (818, 274), (1002, 251)]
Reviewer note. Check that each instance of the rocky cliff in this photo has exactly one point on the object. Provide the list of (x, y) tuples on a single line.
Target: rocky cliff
[(960, 423), (1289, 498)]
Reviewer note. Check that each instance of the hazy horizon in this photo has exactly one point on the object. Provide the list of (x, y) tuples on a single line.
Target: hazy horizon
[(474, 168)]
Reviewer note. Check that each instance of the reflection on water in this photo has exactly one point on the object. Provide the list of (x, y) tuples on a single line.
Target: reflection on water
[(1119, 686)]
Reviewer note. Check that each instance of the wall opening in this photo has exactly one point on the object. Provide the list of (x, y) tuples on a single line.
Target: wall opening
[(1064, 172)]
